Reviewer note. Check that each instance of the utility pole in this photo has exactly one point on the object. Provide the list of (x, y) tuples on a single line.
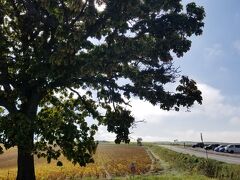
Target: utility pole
[(203, 143)]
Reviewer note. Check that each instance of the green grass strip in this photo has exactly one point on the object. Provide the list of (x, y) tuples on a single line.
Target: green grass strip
[(207, 167)]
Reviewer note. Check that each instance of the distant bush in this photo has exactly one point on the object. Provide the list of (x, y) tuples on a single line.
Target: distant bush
[(207, 167)]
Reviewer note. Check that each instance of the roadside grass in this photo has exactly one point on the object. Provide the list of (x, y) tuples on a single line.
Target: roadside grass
[(195, 165), (167, 177)]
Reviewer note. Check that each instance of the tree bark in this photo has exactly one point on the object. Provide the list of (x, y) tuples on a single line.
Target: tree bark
[(25, 162), (25, 165)]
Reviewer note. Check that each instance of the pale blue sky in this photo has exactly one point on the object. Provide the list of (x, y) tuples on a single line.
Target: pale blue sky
[(214, 62), (214, 57)]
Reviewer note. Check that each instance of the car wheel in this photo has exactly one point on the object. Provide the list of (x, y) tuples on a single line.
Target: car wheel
[(231, 151)]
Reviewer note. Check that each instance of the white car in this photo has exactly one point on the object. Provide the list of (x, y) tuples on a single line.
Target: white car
[(232, 148)]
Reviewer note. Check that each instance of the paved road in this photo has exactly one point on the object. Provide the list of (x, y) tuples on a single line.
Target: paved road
[(235, 159)]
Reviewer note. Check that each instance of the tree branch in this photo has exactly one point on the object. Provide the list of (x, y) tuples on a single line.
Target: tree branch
[(6, 103), (79, 15), (90, 109), (65, 13)]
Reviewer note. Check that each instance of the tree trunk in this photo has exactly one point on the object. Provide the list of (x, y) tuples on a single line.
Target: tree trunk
[(25, 160), (28, 113), (25, 165)]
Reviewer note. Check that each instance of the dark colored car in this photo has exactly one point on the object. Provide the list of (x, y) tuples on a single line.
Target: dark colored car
[(221, 147), (211, 146), (201, 145)]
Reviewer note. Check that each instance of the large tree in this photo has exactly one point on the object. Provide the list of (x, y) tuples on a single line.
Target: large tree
[(62, 61)]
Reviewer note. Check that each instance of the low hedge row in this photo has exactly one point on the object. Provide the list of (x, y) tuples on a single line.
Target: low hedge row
[(207, 167)]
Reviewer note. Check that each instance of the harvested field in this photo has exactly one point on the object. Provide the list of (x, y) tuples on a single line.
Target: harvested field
[(110, 161)]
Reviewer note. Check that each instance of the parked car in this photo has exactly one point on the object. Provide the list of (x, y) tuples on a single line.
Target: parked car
[(217, 149), (211, 146), (222, 149), (232, 148), (201, 145)]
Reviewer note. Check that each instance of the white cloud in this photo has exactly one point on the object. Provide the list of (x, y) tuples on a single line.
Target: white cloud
[(208, 136), (212, 104), (145, 110), (102, 134), (216, 119), (236, 45), (210, 95), (214, 51), (193, 135), (235, 120), (101, 7), (147, 138)]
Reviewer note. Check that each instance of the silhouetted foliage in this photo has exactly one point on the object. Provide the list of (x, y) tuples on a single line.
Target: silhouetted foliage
[(63, 61)]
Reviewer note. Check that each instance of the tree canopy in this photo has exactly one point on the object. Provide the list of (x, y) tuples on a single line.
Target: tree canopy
[(53, 51)]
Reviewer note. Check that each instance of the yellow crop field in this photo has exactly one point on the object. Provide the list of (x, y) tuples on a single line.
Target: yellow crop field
[(110, 161)]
